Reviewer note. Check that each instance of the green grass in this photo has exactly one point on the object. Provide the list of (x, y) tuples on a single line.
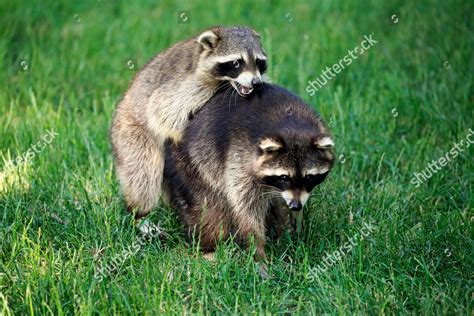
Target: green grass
[(392, 111)]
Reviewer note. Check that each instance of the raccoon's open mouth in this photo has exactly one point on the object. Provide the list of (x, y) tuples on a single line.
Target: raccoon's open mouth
[(241, 90)]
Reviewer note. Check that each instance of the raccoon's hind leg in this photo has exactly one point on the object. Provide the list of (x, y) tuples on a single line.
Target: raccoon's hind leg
[(139, 161), (141, 176)]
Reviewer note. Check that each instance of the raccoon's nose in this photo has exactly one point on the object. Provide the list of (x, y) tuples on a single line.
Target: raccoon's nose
[(295, 205), (256, 83)]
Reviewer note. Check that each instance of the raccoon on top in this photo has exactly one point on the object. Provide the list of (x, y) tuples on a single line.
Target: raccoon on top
[(166, 93)]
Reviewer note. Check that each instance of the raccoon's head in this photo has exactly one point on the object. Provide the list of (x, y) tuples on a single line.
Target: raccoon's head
[(292, 167), (234, 54)]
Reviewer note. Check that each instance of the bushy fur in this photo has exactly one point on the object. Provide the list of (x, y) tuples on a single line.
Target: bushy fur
[(223, 177), (164, 94)]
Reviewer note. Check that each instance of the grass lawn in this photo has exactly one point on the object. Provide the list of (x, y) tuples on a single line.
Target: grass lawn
[(404, 103)]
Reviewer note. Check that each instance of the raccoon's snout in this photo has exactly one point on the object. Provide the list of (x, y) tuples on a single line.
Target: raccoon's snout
[(295, 199), (244, 90), (295, 205), (246, 82)]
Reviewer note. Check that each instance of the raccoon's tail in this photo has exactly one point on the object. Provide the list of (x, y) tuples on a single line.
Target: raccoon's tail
[(139, 161)]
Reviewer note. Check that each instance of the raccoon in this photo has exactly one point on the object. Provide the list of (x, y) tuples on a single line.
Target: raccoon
[(243, 165), (167, 92)]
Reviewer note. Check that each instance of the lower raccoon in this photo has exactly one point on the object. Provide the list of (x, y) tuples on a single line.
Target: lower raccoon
[(244, 164)]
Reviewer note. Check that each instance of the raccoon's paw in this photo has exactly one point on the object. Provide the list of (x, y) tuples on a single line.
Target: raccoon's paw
[(148, 230), (263, 270), (209, 256)]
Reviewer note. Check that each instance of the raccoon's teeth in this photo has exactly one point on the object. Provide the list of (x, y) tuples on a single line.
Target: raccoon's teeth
[(245, 90)]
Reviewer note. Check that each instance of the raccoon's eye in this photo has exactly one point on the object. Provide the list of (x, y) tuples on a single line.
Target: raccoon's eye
[(229, 69), (261, 65), (237, 63), (312, 180), (284, 178)]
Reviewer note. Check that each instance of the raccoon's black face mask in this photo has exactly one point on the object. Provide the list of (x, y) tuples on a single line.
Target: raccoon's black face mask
[(237, 56), (244, 73), (294, 168)]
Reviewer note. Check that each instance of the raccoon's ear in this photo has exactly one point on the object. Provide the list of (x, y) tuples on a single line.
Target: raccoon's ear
[(208, 39), (268, 145), (256, 34), (324, 143)]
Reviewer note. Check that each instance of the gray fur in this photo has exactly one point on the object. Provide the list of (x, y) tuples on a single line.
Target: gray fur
[(156, 107)]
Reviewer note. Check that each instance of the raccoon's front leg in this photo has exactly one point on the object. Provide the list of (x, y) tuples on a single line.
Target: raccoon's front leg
[(278, 219), (259, 239), (251, 226), (260, 255), (297, 223), (281, 219)]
